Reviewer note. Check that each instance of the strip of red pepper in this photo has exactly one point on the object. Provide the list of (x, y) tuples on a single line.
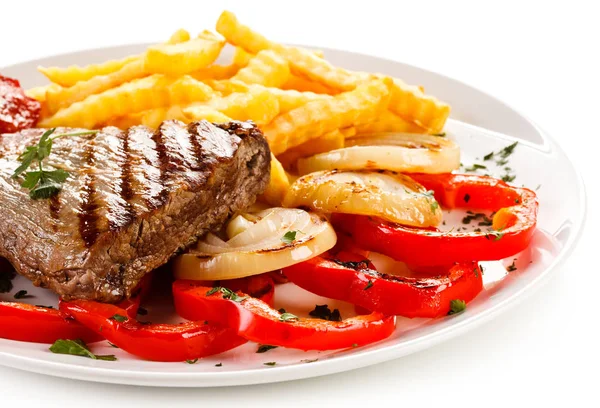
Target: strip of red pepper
[(165, 342), (39, 324), (352, 278), (256, 321), (512, 227)]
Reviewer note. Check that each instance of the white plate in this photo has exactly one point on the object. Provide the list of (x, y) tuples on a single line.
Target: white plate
[(537, 161)]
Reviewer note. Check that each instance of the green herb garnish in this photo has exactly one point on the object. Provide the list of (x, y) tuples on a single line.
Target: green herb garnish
[(194, 361), (77, 348), (355, 265), (227, 294), (270, 363), (512, 267), (323, 312), (369, 285), (22, 294), (457, 306), (263, 348), (119, 318), (475, 167), (288, 317), (43, 183), (289, 237)]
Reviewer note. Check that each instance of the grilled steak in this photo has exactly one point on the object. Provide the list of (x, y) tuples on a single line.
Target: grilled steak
[(133, 200)]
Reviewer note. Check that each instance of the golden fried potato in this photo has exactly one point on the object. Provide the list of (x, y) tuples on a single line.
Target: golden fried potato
[(329, 141), (179, 36), (39, 93), (241, 58), (218, 72), (258, 105), (69, 76), (59, 98), (388, 122), (278, 184), (229, 86), (205, 112), (266, 68), (290, 99), (139, 95), (348, 132), (322, 116), (410, 103), (183, 58), (237, 34), (305, 85)]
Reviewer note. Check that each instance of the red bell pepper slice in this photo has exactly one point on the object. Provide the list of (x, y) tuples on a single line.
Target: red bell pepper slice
[(512, 227), (254, 320), (157, 342), (38, 324), (359, 283)]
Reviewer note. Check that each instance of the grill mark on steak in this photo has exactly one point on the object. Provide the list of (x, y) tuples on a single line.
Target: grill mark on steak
[(165, 164), (126, 178), (196, 146), (87, 214)]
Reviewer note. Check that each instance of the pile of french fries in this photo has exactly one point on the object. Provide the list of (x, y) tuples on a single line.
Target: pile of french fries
[(303, 104)]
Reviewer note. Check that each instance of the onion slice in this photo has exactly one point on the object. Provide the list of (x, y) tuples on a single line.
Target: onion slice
[(384, 194), (402, 152), (260, 242)]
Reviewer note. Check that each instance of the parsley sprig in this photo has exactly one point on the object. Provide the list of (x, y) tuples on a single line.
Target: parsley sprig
[(43, 183)]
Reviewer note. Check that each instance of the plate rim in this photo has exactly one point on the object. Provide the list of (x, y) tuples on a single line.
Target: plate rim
[(357, 359)]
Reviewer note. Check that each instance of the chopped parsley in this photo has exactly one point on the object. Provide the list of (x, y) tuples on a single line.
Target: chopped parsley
[(219, 365), (289, 237), (496, 234), (194, 361), (263, 348), (77, 348), (22, 294), (484, 220), (288, 317), (227, 294), (467, 197), (369, 286), (323, 312), (270, 363), (119, 318), (457, 306), (475, 167), (442, 134), (512, 267)]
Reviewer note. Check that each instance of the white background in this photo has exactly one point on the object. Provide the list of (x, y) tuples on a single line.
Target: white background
[(541, 58)]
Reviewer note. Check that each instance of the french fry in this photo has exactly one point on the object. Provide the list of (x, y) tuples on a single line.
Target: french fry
[(388, 122), (218, 72), (305, 85), (329, 141), (348, 132), (278, 184), (69, 76), (410, 103), (39, 93), (179, 36), (229, 86), (139, 95), (266, 68), (290, 99), (59, 98), (241, 58), (205, 112), (322, 116), (154, 117), (125, 122), (258, 105), (237, 34), (183, 58)]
